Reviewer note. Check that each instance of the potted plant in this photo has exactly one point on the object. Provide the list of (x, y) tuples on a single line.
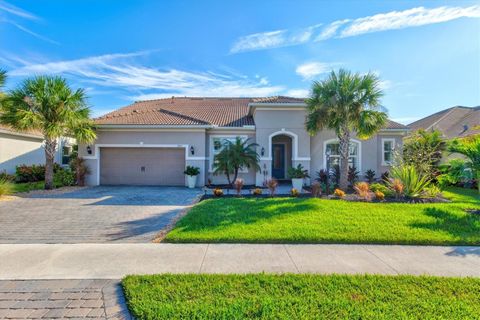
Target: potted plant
[(192, 173), (297, 175)]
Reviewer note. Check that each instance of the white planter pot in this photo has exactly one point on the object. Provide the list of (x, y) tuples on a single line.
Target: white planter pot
[(297, 184), (192, 181)]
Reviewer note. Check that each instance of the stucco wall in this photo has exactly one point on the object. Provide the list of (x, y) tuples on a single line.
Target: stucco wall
[(16, 150)]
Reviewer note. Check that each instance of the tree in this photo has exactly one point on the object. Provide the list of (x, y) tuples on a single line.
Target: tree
[(423, 150), (49, 105), (235, 156), (346, 103), (470, 148)]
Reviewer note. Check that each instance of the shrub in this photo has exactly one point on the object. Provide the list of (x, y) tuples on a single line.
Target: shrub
[(380, 196), (6, 187), (257, 192), (397, 187), (455, 172), (217, 192), (272, 185), (363, 190), (297, 173), (322, 176), (432, 191), (316, 189), (8, 177), (370, 175), (339, 193), (414, 183), (352, 175), (33, 173), (192, 171), (238, 185), (294, 192), (64, 178), (385, 176), (379, 187), (81, 170)]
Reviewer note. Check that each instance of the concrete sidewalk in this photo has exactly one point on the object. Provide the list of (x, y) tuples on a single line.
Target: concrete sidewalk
[(113, 261)]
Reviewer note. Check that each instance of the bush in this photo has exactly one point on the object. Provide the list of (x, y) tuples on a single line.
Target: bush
[(432, 191), (272, 185), (217, 192), (8, 177), (294, 192), (414, 183), (33, 173), (65, 177), (397, 187), (339, 193), (316, 189), (257, 192), (455, 172), (353, 175), (81, 170), (6, 188), (363, 190), (238, 185), (192, 171), (370, 175), (297, 173), (380, 196)]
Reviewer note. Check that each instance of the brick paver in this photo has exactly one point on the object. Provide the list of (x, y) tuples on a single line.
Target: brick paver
[(62, 299), (93, 215)]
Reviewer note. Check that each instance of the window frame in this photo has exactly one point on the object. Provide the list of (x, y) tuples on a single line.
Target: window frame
[(392, 140), (212, 152), (336, 141)]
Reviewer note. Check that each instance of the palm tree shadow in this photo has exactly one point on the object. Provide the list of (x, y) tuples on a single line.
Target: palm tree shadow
[(465, 228), (464, 251)]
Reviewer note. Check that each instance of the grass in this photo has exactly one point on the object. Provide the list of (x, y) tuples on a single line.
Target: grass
[(302, 296), (28, 186), (294, 220)]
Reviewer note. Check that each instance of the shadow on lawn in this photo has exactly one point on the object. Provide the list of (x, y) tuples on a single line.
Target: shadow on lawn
[(464, 227), (464, 251), (250, 211)]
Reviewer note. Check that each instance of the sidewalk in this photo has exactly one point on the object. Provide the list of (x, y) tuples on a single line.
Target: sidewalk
[(113, 261)]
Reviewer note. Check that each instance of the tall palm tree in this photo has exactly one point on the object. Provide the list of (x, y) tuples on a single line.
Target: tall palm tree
[(470, 148), (49, 105), (3, 78), (346, 103), (234, 156)]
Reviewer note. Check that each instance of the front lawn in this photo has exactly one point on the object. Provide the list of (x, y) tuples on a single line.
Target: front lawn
[(28, 186), (301, 297), (292, 220)]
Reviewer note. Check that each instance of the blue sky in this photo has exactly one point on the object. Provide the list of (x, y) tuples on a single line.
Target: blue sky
[(427, 53)]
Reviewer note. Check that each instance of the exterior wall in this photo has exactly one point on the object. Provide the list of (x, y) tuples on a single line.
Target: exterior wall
[(17, 150), (248, 177), (148, 138)]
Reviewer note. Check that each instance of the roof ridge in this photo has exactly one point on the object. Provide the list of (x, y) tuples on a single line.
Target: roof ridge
[(176, 114)]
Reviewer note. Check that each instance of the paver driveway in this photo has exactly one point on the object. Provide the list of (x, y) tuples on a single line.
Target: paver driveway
[(97, 214)]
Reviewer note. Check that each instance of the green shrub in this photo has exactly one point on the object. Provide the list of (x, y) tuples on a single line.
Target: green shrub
[(297, 173), (6, 187), (432, 191), (64, 177), (192, 171), (414, 183), (379, 187), (370, 175), (5, 176), (353, 174), (454, 172), (33, 173)]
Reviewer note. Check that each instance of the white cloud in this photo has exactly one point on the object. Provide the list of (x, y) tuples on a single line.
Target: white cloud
[(11, 9), (121, 71), (298, 93), (406, 120), (312, 69), (347, 27)]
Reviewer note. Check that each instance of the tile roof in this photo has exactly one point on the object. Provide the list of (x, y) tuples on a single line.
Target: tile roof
[(452, 122), (195, 111), (35, 133)]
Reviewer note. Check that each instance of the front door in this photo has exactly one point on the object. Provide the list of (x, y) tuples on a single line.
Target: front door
[(278, 161)]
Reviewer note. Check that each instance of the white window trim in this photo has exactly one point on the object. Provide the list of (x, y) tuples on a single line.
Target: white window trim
[(211, 152), (359, 155), (384, 163)]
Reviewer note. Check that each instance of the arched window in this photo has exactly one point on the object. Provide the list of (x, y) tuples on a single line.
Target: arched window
[(333, 147)]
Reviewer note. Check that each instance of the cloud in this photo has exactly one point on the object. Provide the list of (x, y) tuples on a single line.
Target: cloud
[(298, 93), (11, 9), (140, 82), (353, 27), (310, 70), (24, 29)]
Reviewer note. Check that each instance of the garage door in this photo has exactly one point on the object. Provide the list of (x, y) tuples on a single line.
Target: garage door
[(142, 166)]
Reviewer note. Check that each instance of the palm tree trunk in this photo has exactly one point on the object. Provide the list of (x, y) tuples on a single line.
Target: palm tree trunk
[(50, 148), (235, 176), (344, 143)]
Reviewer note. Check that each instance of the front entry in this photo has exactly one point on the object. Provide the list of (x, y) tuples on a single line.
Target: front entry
[(278, 161)]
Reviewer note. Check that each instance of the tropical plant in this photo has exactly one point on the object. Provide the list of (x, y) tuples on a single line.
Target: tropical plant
[(239, 182), (235, 156), (217, 192), (6, 187), (192, 171), (363, 190), (353, 174), (379, 187), (294, 192), (470, 148), (5, 176), (81, 170), (346, 102), (380, 196), (454, 172), (370, 175), (257, 192), (297, 172), (49, 105), (432, 191), (339, 193), (414, 183), (322, 176), (272, 185), (397, 186), (423, 150), (64, 177)]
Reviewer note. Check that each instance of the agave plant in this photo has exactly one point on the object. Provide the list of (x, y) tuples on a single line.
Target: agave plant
[(414, 183)]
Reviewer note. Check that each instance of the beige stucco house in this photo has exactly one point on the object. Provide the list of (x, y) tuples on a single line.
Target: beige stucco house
[(17, 148), (151, 142)]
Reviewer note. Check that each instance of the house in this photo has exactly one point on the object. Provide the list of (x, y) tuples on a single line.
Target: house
[(17, 148), (151, 142), (455, 122)]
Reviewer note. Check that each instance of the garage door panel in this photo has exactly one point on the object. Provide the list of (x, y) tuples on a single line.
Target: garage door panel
[(142, 166)]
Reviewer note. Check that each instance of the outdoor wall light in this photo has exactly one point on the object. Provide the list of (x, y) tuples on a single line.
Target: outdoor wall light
[(192, 150), (262, 152), (89, 150)]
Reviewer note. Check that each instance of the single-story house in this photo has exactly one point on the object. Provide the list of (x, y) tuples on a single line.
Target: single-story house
[(151, 142), (17, 148)]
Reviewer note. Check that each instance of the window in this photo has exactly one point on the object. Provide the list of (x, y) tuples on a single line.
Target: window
[(216, 145), (388, 147), (66, 155), (334, 149)]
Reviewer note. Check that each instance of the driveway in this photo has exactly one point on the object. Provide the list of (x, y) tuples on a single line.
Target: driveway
[(93, 215)]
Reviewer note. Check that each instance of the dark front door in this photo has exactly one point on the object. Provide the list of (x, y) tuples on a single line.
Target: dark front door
[(278, 161)]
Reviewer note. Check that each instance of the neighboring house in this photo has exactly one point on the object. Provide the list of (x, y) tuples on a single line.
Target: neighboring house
[(151, 142), (455, 122), (17, 148)]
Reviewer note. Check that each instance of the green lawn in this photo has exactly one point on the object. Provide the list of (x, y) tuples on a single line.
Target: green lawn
[(264, 296), (28, 186), (292, 220)]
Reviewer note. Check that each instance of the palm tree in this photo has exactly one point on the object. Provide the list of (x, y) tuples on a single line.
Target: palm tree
[(235, 156), (49, 105), (347, 103), (470, 148), (3, 78)]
